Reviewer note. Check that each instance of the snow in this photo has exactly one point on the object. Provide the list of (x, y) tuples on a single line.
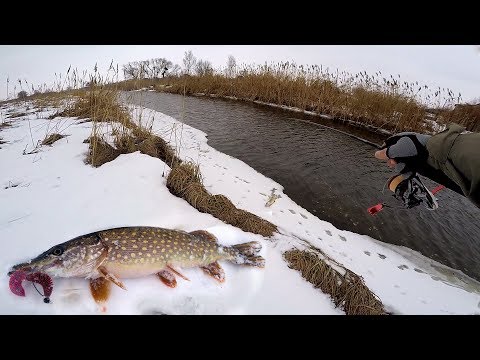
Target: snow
[(58, 197), (145, 89), (436, 127)]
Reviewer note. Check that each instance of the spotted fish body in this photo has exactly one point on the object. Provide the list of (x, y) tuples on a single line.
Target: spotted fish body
[(140, 251), (131, 252)]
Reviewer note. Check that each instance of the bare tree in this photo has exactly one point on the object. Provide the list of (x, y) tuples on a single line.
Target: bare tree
[(152, 68), (130, 71), (203, 68), (145, 70), (231, 66), (160, 66), (175, 70), (189, 62)]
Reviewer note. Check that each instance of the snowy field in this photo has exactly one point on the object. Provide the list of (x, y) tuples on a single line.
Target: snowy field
[(51, 196)]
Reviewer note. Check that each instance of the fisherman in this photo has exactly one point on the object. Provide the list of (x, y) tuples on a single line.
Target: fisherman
[(451, 158)]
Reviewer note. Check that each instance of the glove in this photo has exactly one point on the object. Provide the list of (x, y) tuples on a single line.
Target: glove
[(408, 151)]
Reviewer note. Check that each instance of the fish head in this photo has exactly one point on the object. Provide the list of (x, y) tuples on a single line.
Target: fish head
[(76, 257)]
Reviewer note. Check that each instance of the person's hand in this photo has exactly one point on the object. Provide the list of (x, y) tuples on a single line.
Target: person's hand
[(404, 151), (382, 155)]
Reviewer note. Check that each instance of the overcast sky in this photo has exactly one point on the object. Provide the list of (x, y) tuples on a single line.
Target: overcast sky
[(453, 66)]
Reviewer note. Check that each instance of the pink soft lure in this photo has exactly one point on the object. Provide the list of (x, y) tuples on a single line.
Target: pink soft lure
[(17, 278), (373, 210)]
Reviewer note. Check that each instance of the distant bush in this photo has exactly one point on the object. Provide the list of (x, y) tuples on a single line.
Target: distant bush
[(22, 95)]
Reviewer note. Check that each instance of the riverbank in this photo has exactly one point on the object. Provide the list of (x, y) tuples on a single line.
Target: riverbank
[(50, 178), (373, 102)]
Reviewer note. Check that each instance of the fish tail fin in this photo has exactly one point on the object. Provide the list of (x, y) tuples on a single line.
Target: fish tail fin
[(246, 254)]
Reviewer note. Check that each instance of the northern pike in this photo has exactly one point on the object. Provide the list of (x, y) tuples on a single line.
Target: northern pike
[(130, 252)]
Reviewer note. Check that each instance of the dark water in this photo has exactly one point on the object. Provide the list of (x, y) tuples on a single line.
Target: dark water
[(332, 175)]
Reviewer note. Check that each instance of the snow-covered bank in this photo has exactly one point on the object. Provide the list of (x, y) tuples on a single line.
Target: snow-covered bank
[(58, 197)]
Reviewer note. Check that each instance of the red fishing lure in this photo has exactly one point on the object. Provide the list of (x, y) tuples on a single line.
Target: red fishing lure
[(17, 278)]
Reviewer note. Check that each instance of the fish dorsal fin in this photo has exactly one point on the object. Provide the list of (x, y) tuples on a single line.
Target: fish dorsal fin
[(204, 235)]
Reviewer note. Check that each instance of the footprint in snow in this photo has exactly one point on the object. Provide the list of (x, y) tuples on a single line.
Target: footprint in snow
[(419, 271), (381, 256), (402, 267), (367, 253), (342, 238), (303, 216), (300, 222), (396, 286), (328, 232), (11, 185), (292, 211)]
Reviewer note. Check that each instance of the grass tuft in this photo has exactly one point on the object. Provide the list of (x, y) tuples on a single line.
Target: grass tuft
[(348, 290)]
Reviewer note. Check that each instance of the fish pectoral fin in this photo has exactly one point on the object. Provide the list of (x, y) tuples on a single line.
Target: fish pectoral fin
[(110, 277), (177, 273), (214, 270), (168, 278), (102, 257), (100, 289)]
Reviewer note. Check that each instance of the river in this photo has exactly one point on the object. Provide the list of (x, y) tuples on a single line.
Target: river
[(329, 173)]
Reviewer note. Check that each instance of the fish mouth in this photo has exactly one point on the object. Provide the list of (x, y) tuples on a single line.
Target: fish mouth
[(31, 267), (21, 267)]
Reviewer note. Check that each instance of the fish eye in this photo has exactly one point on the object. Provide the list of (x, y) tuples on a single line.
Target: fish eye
[(57, 251)]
